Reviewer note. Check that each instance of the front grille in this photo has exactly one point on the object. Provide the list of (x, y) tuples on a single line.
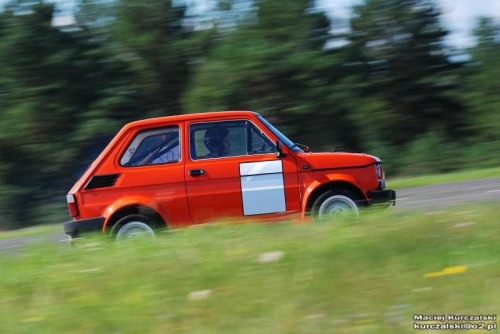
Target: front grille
[(102, 181)]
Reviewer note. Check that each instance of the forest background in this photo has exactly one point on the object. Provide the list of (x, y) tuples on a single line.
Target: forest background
[(383, 82)]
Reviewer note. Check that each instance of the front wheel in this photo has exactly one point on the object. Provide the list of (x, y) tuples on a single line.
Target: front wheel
[(336, 204), (133, 227)]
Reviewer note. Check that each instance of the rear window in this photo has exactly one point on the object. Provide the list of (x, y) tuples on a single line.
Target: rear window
[(153, 147)]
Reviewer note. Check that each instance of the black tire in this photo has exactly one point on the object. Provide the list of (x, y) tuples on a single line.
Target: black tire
[(336, 204)]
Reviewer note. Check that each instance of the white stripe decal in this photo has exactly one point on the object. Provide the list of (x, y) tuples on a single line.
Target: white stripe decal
[(262, 187), (264, 167)]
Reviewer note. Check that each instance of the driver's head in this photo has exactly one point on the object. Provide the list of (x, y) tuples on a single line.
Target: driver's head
[(216, 139)]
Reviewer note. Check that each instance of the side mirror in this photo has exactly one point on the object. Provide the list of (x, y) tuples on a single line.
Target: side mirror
[(279, 148)]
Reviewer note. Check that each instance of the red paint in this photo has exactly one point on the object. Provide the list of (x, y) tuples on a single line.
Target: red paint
[(183, 199)]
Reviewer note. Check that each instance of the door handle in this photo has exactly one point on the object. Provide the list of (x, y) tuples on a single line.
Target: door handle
[(196, 172)]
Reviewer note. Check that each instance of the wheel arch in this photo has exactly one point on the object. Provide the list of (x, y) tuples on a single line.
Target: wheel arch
[(336, 184), (158, 220)]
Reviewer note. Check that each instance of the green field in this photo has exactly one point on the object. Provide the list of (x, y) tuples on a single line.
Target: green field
[(424, 180), (366, 277)]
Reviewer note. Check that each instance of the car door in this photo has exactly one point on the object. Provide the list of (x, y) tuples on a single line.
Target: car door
[(248, 181)]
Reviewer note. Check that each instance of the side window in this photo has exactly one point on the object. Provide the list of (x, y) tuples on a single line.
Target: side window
[(153, 147), (227, 139), (258, 142)]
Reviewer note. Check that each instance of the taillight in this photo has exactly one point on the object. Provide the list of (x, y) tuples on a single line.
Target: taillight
[(72, 205)]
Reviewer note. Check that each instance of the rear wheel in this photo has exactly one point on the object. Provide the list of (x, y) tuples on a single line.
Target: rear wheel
[(336, 204), (133, 227)]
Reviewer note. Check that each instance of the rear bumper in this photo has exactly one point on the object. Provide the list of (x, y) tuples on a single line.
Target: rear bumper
[(387, 197), (77, 227)]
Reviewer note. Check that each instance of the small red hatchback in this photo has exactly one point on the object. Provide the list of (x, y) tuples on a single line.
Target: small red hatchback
[(190, 169)]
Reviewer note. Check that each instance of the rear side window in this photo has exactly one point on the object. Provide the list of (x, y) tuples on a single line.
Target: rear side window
[(153, 147)]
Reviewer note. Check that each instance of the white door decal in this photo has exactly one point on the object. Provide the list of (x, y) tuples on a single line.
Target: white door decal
[(262, 187)]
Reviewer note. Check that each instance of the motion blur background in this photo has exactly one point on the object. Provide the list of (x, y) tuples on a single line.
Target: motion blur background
[(414, 82)]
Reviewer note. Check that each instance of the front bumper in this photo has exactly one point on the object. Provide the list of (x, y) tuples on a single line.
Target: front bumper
[(387, 197), (77, 227)]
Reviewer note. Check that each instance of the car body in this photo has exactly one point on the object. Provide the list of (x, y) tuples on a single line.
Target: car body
[(161, 173)]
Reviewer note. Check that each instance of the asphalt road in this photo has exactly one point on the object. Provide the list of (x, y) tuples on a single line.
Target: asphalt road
[(438, 196), (16, 244), (426, 198)]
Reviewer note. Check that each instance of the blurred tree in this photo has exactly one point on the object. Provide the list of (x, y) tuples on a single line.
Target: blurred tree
[(157, 40), (274, 61), (151, 36), (399, 47), (387, 86), (58, 90), (483, 88)]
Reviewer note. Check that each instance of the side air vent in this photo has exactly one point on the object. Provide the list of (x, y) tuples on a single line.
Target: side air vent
[(102, 181)]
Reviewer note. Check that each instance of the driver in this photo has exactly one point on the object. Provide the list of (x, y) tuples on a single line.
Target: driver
[(216, 139)]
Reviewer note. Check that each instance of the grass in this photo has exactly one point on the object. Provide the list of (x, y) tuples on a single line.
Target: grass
[(31, 231), (367, 277), (416, 181)]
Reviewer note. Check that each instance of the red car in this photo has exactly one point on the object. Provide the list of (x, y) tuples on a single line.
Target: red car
[(190, 169)]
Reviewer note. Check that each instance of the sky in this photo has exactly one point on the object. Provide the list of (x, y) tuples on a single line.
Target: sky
[(459, 16)]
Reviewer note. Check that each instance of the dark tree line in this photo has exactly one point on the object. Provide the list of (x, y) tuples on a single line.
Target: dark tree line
[(391, 88)]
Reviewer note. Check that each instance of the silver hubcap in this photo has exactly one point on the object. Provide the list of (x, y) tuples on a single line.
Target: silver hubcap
[(135, 230), (338, 206)]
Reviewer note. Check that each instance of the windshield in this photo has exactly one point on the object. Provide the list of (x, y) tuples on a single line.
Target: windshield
[(281, 136)]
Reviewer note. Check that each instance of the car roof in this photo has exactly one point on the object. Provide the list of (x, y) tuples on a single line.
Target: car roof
[(147, 123), (187, 117)]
